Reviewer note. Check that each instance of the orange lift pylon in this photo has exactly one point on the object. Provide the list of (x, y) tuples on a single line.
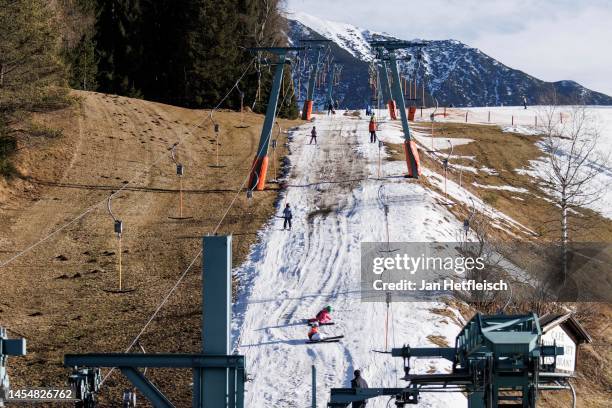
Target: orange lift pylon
[(257, 179), (385, 51), (314, 76)]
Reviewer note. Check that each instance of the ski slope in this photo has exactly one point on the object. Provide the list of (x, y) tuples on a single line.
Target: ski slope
[(289, 276)]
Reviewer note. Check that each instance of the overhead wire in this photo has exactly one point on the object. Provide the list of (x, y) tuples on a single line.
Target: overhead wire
[(120, 189), (195, 258), (91, 208)]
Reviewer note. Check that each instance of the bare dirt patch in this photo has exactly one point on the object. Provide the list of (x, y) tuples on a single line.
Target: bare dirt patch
[(55, 295)]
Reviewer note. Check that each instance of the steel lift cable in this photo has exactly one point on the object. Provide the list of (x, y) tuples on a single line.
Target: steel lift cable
[(168, 295), (299, 76), (467, 222), (185, 272), (432, 118), (123, 187), (181, 277), (274, 143), (241, 94), (445, 163), (380, 146)]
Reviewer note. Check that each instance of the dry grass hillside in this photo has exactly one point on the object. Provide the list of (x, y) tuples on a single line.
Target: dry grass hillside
[(54, 295)]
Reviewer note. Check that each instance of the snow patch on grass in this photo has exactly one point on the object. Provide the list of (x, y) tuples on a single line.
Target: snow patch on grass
[(501, 188)]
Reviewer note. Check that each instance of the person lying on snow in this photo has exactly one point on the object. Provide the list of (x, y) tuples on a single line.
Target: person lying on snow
[(313, 333)]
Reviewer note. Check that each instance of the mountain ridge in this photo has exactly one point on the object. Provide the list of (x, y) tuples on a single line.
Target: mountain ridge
[(454, 72)]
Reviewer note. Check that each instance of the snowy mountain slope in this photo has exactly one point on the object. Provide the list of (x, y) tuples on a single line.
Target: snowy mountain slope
[(524, 122), (291, 275), (454, 72)]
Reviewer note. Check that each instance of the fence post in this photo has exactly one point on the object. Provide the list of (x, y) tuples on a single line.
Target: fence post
[(489, 117), (561, 116), (466, 115), (512, 120), (536, 121)]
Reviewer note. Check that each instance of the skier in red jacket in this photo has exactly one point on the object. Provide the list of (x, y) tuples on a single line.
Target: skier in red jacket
[(372, 128), (324, 315)]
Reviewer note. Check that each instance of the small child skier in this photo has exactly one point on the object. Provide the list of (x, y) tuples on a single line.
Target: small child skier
[(324, 315), (372, 128), (287, 216), (313, 135), (313, 333)]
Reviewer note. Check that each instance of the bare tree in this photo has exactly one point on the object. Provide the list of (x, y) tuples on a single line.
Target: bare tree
[(573, 161)]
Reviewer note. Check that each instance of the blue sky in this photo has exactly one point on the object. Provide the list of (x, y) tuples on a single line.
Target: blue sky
[(549, 39)]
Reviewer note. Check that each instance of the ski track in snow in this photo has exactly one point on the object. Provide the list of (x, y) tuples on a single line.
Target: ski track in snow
[(289, 276)]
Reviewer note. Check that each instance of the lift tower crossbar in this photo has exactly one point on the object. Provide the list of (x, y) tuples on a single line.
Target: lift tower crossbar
[(386, 90), (218, 376), (496, 359)]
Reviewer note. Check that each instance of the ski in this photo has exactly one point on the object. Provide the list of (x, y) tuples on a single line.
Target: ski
[(311, 321), (333, 339), (323, 341)]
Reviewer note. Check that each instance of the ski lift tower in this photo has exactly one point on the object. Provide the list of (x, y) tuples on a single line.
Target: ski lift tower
[(498, 361), (386, 51), (386, 90), (314, 69), (8, 347), (218, 375), (334, 69), (257, 179)]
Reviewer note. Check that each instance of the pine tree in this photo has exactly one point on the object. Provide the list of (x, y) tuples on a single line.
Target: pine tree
[(119, 45), (30, 67), (29, 53), (186, 52), (78, 45)]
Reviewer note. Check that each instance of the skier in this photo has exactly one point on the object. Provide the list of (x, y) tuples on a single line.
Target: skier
[(372, 129), (313, 333), (330, 108), (313, 135), (287, 216), (359, 382), (324, 315), (368, 110), (336, 105), (525, 102)]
